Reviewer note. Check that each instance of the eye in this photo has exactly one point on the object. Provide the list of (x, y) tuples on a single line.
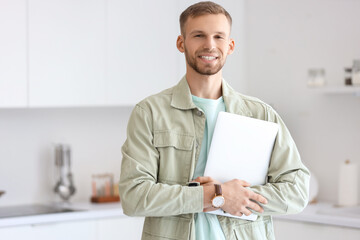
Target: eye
[(198, 35), (218, 37)]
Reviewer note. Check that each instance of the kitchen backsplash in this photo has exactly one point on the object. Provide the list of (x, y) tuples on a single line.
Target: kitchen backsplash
[(27, 163)]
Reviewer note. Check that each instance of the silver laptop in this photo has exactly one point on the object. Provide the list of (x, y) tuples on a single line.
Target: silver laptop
[(241, 148)]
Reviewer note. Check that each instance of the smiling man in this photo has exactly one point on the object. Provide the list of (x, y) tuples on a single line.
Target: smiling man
[(168, 139)]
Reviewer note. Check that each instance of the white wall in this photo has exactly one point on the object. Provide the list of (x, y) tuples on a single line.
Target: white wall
[(284, 39), (26, 149)]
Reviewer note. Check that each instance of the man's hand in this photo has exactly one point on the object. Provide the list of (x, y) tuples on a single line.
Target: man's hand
[(238, 198)]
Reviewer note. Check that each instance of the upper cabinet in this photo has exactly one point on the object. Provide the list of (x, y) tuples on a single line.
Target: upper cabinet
[(13, 54), (86, 53), (142, 58), (66, 53)]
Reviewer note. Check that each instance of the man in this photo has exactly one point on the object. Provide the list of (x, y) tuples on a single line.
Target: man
[(168, 139)]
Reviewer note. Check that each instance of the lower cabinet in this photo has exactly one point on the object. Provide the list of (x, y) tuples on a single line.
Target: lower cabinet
[(100, 229), (285, 230), (120, 228), (117, 228)]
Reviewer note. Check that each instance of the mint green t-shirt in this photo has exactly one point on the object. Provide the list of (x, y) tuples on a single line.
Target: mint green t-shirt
[(207, 225)]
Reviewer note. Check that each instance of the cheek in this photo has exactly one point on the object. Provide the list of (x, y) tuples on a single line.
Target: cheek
[(227, 50)]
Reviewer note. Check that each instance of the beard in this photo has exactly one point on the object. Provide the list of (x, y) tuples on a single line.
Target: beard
[(208, 69)]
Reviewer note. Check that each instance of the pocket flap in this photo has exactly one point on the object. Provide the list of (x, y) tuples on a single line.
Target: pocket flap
[(173, 139)]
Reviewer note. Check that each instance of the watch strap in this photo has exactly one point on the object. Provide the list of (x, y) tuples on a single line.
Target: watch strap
[(218, 190)]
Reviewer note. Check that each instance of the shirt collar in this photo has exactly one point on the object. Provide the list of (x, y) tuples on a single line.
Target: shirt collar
[(234, 103)]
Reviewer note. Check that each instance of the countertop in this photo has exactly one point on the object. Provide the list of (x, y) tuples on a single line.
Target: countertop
[(322, 213), (86, 211), (327, 213)]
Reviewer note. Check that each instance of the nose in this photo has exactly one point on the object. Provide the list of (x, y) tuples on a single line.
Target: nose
[(209, 44)]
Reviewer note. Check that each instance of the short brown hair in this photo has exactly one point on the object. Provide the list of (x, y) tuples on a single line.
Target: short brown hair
[(202, 8)]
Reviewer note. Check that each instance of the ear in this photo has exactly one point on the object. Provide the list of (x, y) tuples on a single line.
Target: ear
[(180, 43), (231, 46)]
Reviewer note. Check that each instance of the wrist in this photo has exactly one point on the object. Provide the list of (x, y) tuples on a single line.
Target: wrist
[(209, 192)]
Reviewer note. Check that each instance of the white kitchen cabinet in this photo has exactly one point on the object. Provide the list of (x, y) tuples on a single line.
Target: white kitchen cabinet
[(13, 53), (142, 58), (66, 230), (72, 230), (295, 230), (16, 233), (66, 53), (120, 228), (98, 229), (87, 53)]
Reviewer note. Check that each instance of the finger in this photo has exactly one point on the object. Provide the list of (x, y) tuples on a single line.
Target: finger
[(245, 183), (204, 179), (256, 207), (258, 198), (246, 211), (239, 214)]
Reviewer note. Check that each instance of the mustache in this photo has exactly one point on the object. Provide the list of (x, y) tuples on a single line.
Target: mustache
[(213, 52)]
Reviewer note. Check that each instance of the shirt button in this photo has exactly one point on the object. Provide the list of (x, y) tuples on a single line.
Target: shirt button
[(199, 113)]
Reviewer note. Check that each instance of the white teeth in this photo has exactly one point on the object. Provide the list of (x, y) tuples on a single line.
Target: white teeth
[(208, 57)]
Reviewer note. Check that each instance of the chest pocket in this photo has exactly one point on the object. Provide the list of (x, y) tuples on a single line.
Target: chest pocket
[(176, 156)]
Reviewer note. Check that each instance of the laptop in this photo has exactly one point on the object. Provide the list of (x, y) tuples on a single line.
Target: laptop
[(241, 148)]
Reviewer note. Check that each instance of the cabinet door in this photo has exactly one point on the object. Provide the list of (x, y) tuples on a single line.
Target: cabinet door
[(120, 228), (17, 233), (54, 231), (66, 52), (141, 49), (285, 230), (13, 67), (66, 230)]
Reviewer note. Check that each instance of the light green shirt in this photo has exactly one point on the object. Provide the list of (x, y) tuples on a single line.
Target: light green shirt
[(207, 226)]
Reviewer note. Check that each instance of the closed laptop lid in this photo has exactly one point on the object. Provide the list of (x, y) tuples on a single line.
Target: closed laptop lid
[(241, 148)]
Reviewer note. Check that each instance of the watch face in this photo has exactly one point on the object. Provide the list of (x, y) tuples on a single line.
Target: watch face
[(218, 201)]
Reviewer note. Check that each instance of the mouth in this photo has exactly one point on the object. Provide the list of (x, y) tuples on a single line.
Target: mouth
[(208, 58)]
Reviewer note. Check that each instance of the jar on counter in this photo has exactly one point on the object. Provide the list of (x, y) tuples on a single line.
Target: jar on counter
[(355, 75), (316, 77), (347, 76)]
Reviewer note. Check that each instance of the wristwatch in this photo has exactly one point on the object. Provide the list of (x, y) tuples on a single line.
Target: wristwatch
[(218, 200)]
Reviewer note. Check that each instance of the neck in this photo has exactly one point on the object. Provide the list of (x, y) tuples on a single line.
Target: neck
[(205, 86)]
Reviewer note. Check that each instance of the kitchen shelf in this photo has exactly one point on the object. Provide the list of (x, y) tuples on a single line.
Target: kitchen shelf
[(341, 90)]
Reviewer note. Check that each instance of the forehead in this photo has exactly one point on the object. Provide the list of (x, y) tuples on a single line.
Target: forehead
[(210, 23)]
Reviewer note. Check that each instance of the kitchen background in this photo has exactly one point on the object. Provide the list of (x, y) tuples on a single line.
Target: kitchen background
[(71, 71)]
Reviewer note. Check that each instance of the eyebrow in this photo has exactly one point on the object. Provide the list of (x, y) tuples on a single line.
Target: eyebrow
[(199, 31)]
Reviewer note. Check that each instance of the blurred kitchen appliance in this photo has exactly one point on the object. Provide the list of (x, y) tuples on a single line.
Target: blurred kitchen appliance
[(65, 185), (313, 189), (348, 184)]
